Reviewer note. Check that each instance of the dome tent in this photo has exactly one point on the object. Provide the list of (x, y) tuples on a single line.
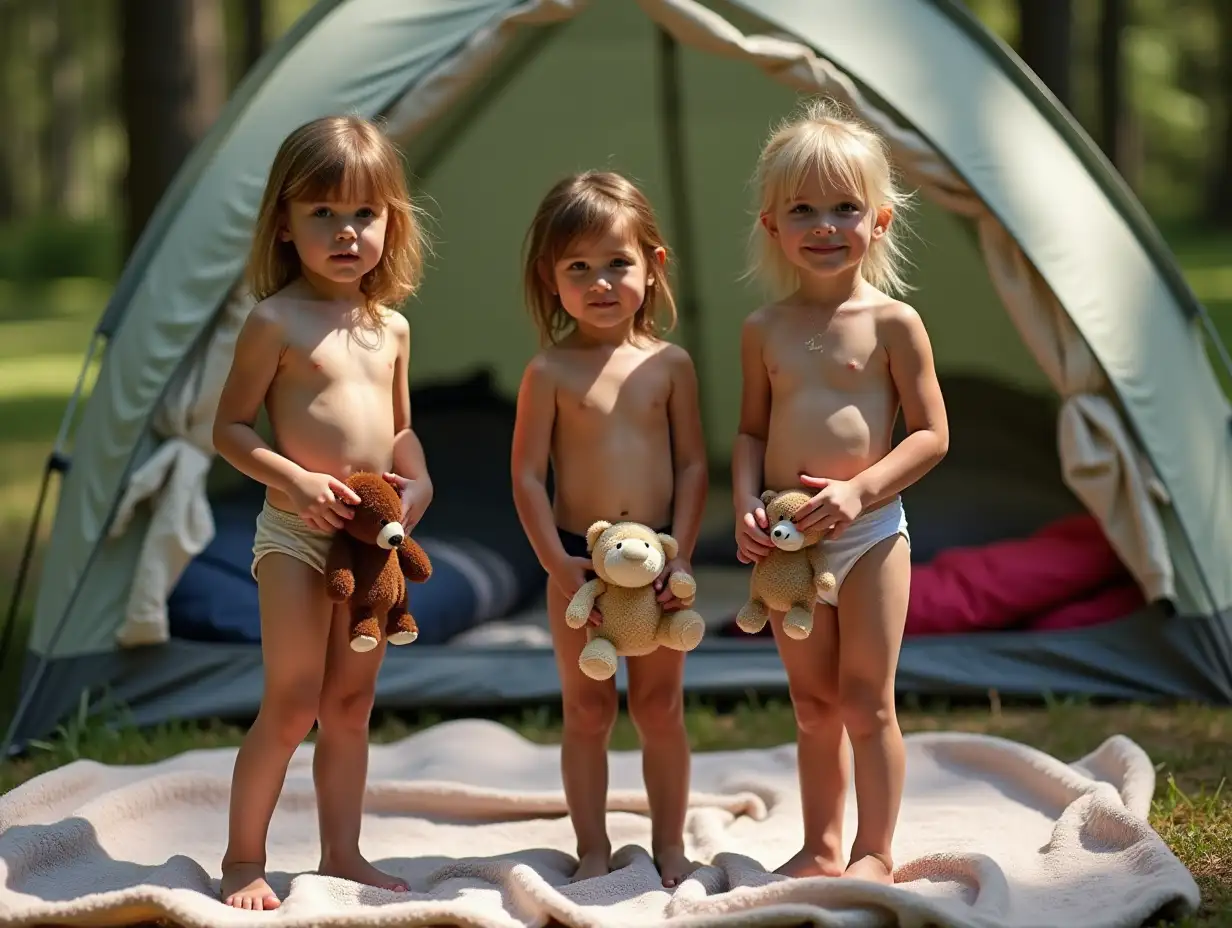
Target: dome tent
[(491, 101)]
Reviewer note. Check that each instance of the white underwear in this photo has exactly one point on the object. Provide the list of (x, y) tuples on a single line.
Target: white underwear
[(867, 530)]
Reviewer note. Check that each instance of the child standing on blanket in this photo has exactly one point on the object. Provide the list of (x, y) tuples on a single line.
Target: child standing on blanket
[(826, 369), (615, 410), (336, 246)]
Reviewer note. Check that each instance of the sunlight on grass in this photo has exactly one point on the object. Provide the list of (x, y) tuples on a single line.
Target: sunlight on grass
[(43, 375)]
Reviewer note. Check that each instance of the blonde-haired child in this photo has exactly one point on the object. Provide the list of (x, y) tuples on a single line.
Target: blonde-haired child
[(614, 409), (827, 366), (336, 247)]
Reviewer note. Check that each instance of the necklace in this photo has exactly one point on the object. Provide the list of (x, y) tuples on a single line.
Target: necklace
[(815, 343)]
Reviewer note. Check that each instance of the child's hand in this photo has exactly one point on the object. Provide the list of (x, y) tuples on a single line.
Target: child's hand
[(416, 498), (752, 542), (321, 500), (832, 510), (667, 599), (569, 576)]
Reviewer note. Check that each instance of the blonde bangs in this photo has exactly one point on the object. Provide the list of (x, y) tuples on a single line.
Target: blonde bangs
[(843, 154), (833, 158)]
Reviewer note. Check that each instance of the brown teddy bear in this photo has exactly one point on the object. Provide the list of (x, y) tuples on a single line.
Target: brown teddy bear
[(790, 578), (627, 557), (369, 563)]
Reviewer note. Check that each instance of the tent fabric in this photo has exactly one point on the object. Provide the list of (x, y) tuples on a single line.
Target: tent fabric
[(173, 482), (1088, 309), (1098, 457)]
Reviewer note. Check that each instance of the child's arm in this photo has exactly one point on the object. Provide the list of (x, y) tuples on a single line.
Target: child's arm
[(928, 431), (320, 499), (749, 447), (692, 477), (914, 377), (410, 466), (532, 442)]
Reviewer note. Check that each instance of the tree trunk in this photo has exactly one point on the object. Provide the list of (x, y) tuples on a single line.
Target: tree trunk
[(62, 70), (172, 86), (254, 32), (1219, 199), (1045, 42), (8, 119), (1113, 21)]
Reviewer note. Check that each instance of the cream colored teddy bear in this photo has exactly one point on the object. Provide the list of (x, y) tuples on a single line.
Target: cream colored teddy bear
[(627, 557), (790, 578)]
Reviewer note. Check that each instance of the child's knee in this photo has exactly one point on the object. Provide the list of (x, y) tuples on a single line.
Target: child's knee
[(289, 717), (349, 711), (866, 706), (816, 710), (592, 714), (656, 711)]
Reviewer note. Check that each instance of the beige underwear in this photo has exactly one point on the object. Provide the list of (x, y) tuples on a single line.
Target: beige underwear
[(286, 533)]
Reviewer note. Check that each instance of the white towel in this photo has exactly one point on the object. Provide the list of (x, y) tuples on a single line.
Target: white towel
[(992, 834)]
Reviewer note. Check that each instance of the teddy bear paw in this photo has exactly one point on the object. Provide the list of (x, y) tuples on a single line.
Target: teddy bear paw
[(824, 582), (402, 637), (686, 630), (363, 643), (798, 623), (752, 618), (683, 587), (598, 659)]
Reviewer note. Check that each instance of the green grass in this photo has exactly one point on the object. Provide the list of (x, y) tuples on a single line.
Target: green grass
[(44, 331)]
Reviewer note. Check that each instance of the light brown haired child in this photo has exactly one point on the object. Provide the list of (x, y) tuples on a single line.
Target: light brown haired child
[(614, 409), (335, 250)]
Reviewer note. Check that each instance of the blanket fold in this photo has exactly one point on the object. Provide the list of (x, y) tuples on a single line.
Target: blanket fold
[(992, 834)]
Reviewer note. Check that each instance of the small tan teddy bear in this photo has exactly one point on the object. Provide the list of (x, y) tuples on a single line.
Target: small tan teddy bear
[(627, 557), (790, 578)]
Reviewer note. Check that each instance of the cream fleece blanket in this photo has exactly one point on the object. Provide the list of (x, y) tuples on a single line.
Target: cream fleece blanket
[(992, 834)]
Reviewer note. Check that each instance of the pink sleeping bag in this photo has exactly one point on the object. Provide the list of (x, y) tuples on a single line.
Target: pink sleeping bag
[(1065, 575)]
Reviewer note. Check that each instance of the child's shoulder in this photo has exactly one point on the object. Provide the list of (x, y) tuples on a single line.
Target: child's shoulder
[(893, 315), (764, 317), (675, 356), (542, 368), (268, 317), (393, 321), (899, 326)]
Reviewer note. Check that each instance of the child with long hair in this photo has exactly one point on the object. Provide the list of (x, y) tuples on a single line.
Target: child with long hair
[(827, 367), (336, 248), (614, 408)]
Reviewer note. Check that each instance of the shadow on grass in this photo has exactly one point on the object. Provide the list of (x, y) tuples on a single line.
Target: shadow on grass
[(33, 418)]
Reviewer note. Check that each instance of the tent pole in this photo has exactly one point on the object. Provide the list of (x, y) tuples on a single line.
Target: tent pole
[(671, 125), (57, 462)]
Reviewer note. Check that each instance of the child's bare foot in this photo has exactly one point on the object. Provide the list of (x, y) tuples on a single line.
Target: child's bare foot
[(874, 867), (806, 863), (356, 869), (592, 864), (244, 887), (674, 866)]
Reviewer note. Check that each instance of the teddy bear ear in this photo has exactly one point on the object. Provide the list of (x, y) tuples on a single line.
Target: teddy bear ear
[(768, 497), (670, 547), (593, 533)]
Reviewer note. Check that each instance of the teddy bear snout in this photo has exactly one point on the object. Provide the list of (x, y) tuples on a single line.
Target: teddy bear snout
[(390, 536), (633, 550), (786, 536)]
